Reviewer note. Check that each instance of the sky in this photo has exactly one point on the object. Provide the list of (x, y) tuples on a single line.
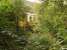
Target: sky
[(34, 1)]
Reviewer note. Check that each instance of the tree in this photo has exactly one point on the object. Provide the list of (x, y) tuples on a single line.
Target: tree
[(52, 15), (10, 13)]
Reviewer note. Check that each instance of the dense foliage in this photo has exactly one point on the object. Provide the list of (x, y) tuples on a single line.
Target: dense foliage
[(52, 32), (10, 13), (48, 30)]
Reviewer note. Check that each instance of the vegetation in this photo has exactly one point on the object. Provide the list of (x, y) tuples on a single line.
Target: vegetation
[(46, 29)]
